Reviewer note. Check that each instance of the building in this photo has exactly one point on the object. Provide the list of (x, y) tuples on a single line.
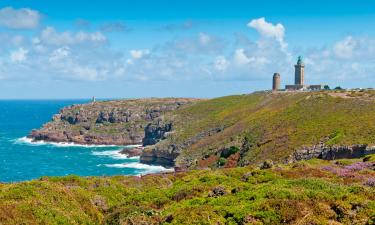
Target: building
[(299, 72), (299, 79), (276, 82)]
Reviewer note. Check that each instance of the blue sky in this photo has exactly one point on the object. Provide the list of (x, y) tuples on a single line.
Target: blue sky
[(128, 49)]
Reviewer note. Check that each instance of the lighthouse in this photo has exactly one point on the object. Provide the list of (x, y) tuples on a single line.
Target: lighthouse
[(299, 72)]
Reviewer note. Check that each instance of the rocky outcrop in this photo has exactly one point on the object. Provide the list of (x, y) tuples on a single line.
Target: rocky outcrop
[(322, 151), (132, 152), (156, 156), (157, 131), (166, 153), (120, 122)]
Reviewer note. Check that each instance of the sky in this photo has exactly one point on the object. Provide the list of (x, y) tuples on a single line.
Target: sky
[(167, 48)]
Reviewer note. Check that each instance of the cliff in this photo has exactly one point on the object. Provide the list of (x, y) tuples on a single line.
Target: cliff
[(120, 122), (228, 131), (281, 126)]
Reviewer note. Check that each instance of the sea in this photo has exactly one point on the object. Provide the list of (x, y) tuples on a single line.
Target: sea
[(23, 160)]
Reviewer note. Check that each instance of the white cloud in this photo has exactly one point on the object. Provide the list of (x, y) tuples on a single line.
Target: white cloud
[(204, 38), (240, 57), (269, 30), (344, 49), (59, 54), (350, 61), (221, 63), (84, 73), (19, 55), (50, 36), (19, 18), (137, 54)]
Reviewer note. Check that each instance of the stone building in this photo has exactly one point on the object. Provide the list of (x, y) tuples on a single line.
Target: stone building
[(299, 72), (299, 79), (276, 82)]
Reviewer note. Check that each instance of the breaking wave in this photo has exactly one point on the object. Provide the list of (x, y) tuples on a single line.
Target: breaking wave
[(115, 154), (140, 166), (30, 141)]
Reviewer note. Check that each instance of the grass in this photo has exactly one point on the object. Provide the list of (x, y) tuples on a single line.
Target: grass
[(300, 193), (273, 125)]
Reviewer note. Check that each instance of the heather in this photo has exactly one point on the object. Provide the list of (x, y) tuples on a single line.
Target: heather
[(306, 192)]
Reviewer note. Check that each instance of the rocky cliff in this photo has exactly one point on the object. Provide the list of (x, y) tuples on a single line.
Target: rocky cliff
[(120, 122), (322, 151)]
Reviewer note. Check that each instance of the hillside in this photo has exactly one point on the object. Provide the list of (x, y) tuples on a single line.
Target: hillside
[(228, 131), (282, 126), (307, 192)]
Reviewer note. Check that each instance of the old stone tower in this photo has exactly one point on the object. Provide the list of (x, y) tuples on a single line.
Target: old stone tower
[(276, 82), (299, 72)]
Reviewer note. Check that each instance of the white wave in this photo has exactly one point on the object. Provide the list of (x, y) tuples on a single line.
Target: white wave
[(140, 166), (30, 141), (115, 154)]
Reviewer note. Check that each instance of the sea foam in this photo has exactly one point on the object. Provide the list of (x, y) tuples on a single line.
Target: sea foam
[(30, 141), (140, 166), (115, 154)]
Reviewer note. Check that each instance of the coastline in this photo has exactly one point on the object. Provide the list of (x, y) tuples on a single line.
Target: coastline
[(29, 140), (114, 153)]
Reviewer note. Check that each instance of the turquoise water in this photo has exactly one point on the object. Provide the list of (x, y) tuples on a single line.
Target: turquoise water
[(22, 160)]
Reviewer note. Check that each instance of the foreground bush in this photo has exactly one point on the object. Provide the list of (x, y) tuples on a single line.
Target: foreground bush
[(311, 192)]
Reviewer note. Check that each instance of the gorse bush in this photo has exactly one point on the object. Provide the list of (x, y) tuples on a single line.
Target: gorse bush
[(309, 192)]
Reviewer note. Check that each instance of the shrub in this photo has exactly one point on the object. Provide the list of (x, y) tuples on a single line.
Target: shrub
[(228, 152), (370, 182), (221, 161)]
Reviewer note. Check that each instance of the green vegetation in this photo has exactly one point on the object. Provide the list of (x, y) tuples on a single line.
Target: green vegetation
[(307, 192), (272, 126)]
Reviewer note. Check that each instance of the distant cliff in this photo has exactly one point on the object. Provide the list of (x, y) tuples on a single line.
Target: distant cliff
[(120, 122)]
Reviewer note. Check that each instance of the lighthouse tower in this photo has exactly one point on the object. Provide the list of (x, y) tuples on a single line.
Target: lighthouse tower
[(299, 72), (276, 82)]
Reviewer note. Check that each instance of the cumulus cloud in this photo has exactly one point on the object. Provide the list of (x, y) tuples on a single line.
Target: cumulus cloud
[(269, 30), (240, 57), (64, 55), (50, 36), (18, 55), (345, 48), (23, 18), (349, 59), (137, 54), (59, 54), (221, 63)]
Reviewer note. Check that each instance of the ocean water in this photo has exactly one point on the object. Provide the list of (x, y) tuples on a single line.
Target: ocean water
[(21, 159)]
